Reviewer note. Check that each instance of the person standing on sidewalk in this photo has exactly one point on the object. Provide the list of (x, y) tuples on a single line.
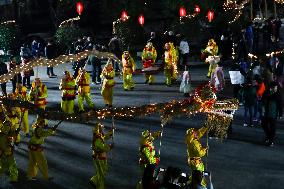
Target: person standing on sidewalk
[(50, 53), (272, 104), (249, 97), (3, 71), (96, 67)]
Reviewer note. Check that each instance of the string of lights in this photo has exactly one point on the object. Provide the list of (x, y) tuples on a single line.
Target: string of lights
[(69, 21), (54, 62), (232, 5)]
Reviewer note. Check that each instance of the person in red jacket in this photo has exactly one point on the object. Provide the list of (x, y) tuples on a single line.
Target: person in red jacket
[(260, 88)]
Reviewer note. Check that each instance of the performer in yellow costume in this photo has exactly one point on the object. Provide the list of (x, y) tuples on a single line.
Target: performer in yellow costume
[(149, 56), (68, 87), (100, 149), (212, 51), (108, 83), (21, 94), (13, 117), (83, 83), (7, 159), (170, 61), (194, 149), (36, 156), (38, 93), (128, 65)]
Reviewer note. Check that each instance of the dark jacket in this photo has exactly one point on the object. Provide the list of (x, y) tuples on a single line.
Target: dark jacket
[(50, 51), (272, 103), (249, 95), (3, 68)]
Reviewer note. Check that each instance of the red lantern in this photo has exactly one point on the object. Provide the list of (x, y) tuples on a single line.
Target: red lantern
[(141, 20), (79, 7), (196, 9), (210, 15), (182, 12), (124, 15)]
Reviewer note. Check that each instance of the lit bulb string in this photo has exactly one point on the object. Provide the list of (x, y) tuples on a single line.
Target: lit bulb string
[(189, 16), (279, 1), (8, 22), (232, 5), (69, 21), (55, 62), (193, 105)]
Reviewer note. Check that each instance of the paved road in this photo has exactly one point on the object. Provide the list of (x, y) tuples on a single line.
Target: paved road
[(240, 162)]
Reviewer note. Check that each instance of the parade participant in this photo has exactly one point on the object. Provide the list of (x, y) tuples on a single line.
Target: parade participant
[(100, 149), (83, 83), (185, 85), (7, 159), (21, 94), (108, 83), (217, 78), (38, 93), (36, 156), (212, 51), (149, 56), (128, 65), (147, 153), (194, 149), (68, 88), (170, 67), (13, 116)]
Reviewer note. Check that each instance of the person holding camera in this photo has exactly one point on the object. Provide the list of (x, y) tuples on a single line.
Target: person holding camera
[(100, 149), (196, 179)]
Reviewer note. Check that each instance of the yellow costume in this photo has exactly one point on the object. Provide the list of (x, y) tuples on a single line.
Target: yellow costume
[(128, 65), (170, 67), (14, 118), (100, 149), (68, 87), (194, 149), (149, 56), (21, 94), (83, 83), (211, 50), (38, 93), (36, 155), (108, 83), (7, 159)]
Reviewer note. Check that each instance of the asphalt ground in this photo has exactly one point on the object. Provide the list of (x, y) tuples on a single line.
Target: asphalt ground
[(241, 161)]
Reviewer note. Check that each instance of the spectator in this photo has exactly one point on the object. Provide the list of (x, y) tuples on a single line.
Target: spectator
[(266, 30), (79, 47), (17, 78), (184, 51), (185, 85), (3, 71), (89, 44), (197, 177), (26, 56), (277, 69), (272, 104), (97, 69), (249, 96), (50, 52), (260, 88), (237, 86), (249, 37), (115, 47), (171, 179), (35, 48), (278, 24)]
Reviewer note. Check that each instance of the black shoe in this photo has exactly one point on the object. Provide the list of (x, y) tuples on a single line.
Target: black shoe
[(146, 81), (133, 88), (53, 75), (150, 83), (81, 111)]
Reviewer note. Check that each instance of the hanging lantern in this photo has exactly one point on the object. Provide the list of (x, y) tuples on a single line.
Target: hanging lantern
[(182, 12), (210, 15), (79, 7), (141, 20), (124, 15), (197, 9)]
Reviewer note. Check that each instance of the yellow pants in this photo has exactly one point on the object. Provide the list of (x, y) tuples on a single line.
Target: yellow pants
[(67, 106), (211, 69), (8, 163), (87, 97), (168, 74), (128, 81), (25, 122), (149, 78), (37, 160), (107, 94), (101, 171)]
